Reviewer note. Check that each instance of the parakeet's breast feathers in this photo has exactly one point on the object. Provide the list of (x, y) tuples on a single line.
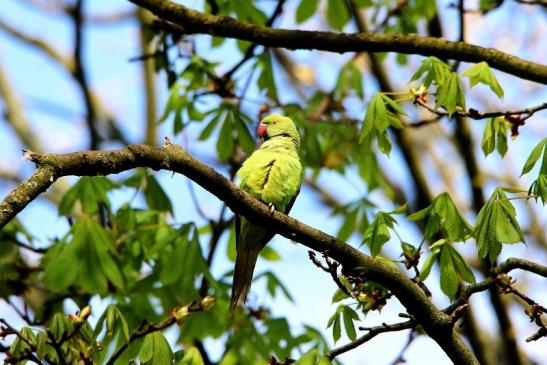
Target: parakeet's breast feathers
[(273, 173)]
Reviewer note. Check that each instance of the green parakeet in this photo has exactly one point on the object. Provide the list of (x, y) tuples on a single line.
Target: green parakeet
[(272, 174)]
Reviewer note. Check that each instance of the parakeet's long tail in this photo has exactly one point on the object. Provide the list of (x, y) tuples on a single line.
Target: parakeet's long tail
[(243, 275)]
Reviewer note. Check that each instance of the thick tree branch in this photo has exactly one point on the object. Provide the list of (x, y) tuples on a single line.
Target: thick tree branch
[(436, 324), (196, 22)]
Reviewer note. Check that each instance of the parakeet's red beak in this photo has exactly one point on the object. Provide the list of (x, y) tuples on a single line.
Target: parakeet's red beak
[(261, 131)]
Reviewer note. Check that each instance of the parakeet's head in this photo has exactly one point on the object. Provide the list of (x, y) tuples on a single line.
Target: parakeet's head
[(276, 125)]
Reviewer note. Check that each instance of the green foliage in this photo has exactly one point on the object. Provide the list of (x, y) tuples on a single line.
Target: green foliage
[(155, 350), (534, 157), (453, 267), (86, 259), (377, 233), (312, 357), (91, 192), (233, 128), (337, 13), (444, 218), (67, 339), (247, 11), (349, 79), (115, 323), (346, 315), (266, 80), (450, 94), (495, 136), (191, 357), (355, 218), (305, 10), (538, 189), (432, 70), (496, 224), (273, 284), (381, 114), (481, 73), (198, 75)]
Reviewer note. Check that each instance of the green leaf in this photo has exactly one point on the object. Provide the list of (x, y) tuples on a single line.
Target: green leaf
[(384, 143), (496, 224), (247, 11), (338, 296), (349, 224), (377, 234), (337, 13), (539, 188), (400, 210), (171, 102), (305, 10), (507, 227), (495, 134), (172, 271), (90, 191), (115, 323), (210, 127), (434, 70), (100, 238), (246, 141), (428, 264), (269, 254), (273, 283), (449, 278), (501, 136), (349, 79), (225, 143), (334, 322), (488, 138), (61, 266), (155, 350), (349, 316), (376, 111), (463, 270), (60, 325), (381, 115), (443, 216), (192, 357), (450, 94), (481, 72), (534, 156), (266, 80), (309, 358)]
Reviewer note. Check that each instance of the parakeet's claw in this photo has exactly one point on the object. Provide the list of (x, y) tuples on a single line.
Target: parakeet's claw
[(271, 207)]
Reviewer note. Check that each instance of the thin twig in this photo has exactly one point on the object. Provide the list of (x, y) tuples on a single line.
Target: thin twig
[(332, 269), (372, 332)]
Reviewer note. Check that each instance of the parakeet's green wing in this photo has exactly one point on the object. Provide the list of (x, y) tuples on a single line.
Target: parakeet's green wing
[(270, 234)]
